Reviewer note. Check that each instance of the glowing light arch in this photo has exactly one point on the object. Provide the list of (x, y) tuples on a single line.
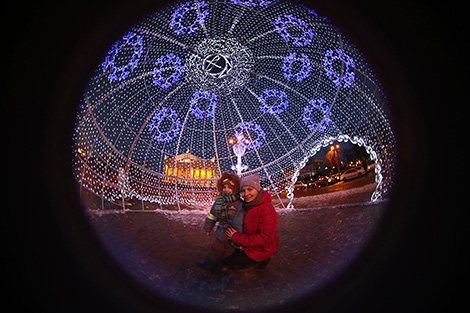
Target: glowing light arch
[(325, 143)]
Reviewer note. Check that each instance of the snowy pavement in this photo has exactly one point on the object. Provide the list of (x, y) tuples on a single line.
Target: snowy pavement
[(348, 197), (159, 251), (343, 197)]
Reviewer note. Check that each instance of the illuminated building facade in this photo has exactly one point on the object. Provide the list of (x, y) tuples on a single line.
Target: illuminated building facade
[(191, 170)]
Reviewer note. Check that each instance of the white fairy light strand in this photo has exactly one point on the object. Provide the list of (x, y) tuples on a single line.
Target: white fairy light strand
[(158, 113)]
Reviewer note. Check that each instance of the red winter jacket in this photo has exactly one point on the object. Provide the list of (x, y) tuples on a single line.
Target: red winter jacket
[(259, 238)]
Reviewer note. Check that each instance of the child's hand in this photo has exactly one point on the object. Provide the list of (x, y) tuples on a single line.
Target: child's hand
[(230, 232)]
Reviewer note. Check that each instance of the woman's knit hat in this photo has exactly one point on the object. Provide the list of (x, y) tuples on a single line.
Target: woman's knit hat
[(252, 181)]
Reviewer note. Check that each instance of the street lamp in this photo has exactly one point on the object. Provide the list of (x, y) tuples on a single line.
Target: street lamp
[(335, 149), (239, 149)]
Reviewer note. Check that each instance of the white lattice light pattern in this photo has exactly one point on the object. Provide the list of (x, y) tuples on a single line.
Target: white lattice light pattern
[(191, 77)]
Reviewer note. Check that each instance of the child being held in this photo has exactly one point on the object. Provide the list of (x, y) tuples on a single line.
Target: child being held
[(227, 211)]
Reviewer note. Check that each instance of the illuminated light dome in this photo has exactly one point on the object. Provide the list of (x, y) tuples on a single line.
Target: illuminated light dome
[(194, 77)]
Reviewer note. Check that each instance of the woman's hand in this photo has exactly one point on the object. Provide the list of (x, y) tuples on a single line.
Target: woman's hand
[(230, 231)]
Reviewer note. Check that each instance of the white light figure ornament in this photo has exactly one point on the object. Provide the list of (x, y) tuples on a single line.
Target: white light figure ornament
[(239, 149), (243, 143)]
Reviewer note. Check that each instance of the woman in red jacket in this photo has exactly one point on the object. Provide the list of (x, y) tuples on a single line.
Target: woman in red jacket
[(259, 240)]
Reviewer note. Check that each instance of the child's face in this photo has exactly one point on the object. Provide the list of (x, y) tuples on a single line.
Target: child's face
[(227, 189)]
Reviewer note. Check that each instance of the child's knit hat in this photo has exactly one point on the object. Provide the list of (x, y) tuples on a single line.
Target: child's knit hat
[(229, 179)]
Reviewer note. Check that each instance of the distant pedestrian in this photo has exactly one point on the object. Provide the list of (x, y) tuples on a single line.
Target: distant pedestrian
[(259, 239), (227, 211)]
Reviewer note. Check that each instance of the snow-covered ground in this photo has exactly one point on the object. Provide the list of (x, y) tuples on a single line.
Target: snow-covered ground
[(354, 196), (349, 196)]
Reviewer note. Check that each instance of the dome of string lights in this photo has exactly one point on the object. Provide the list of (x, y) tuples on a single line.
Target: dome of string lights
[(201, 87)]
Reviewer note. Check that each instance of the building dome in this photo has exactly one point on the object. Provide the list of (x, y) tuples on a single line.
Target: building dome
[(195, 77)]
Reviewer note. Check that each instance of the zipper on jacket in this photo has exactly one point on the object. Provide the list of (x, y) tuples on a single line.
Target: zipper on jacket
[(262, 248)]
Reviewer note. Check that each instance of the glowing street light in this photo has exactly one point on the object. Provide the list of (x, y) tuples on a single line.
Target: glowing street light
[(336, 155), (239, 149)]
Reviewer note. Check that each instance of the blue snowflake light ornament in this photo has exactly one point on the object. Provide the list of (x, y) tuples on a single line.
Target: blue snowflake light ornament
[(288, 66), (177, 17), (195, 108), (253, 142), (279, 106), (130, 41), (285, 26), (317, 104), (171, 61), (253, 2), (165, 136), (338, 77)]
